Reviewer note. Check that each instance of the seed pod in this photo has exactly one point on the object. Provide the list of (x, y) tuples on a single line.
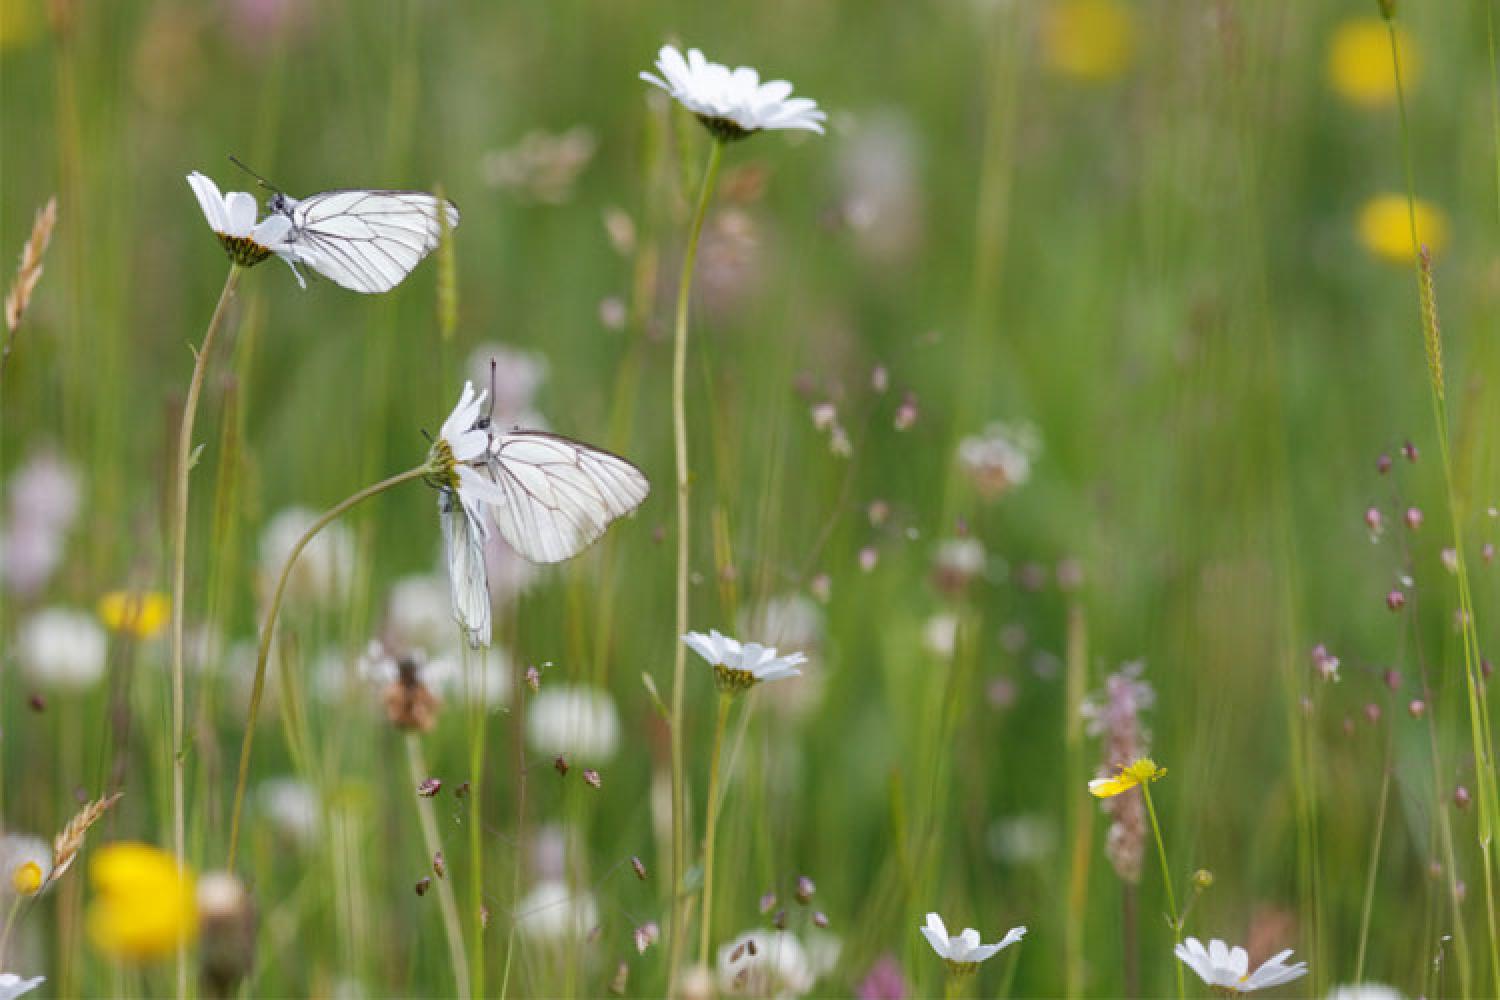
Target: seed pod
[(423, 884), (429, 788)]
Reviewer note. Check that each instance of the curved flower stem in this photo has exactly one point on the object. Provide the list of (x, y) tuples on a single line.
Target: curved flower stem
[(710, 824), (181, 470), (675, 928), (268, 629), (1166, 879), (454, 932)]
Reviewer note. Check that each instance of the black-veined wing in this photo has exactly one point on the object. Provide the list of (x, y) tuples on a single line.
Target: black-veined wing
[(463, 543), (367, 241), (560, 494)]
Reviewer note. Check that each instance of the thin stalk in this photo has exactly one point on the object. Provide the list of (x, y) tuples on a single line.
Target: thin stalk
[(451, 927), (10, 923), (1166, 880), (181, 471), (1479, 722), (676, 926), (519, 735), (268, 630), (1369, 903), (710, 825), (476, 816)]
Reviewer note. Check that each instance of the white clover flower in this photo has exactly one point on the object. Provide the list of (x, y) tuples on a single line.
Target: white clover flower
[(552, 913), (62, 650), (576, 722), (12, 985), (25, 865), (324, 571), (731, 103), (940, 634), (1228, 968), (764, 963), (1365, 991), (964, 952), (232, 218), (999, 460), (44, 501), (293, 809), (740, 666)]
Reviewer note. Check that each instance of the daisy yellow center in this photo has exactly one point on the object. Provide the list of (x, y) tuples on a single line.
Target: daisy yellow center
[(243, 250), (27, 879), (733, 680), (442, 468), (724, 128)]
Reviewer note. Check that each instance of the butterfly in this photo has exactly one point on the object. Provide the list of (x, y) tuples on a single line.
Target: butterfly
[(365, 240)]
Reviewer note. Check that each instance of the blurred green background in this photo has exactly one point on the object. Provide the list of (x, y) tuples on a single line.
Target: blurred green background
[(1145, 228)]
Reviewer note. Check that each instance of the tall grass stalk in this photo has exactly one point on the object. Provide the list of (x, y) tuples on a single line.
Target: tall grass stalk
[(268, 630), (181, 471), (417, 762), (1368, 906), (676, 926), (1479, 720), (477, 719)]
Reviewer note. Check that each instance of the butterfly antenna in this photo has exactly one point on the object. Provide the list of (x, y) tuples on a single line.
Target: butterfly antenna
[(259, 179), (427, 435), (491, 414)]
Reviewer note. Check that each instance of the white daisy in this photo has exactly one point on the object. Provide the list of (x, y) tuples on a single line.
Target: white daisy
[(62, 650), (732, 103), (232, 218), (12, 985), (1228, 968), (738, 666), (25, 865), (574, 721), (964, 952), (463, 441)]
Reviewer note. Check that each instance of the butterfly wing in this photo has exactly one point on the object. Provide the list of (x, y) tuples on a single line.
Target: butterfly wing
[(367, 241), (463, 543), (560, 494)]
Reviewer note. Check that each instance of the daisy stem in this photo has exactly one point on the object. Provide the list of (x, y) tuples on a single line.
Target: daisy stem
[(477, 720), (10, 923), (456, 955), (1166, 880), (675, 928), (1479, 718), (268, 630), (182, 468), (710, 824)]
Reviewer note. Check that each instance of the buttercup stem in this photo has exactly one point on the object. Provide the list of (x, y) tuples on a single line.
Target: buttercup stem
[(1166, 879), (268, 629), (710, 825), (451, 927), (675, 927), (181, 471)]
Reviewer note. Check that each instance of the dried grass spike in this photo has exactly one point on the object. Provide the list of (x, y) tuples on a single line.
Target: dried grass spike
[(68, 842), (30, 271)]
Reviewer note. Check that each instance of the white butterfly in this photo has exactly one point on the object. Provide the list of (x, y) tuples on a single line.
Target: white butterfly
[(366, 241), (556, 495), (463, 540)]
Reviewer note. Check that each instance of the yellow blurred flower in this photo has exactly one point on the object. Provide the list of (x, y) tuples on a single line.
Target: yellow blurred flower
[(1359, 62), (144, 907), (142, 615), (1385, 228), (1137, 773), (1088, 39), (20, 23)]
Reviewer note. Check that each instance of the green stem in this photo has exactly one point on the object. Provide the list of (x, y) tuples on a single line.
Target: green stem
[(476, 816), (1369, 903), (268, 630), (451, 927), (676, 926), (181, 471), (1166, 880), (10, 923), (710, 825)]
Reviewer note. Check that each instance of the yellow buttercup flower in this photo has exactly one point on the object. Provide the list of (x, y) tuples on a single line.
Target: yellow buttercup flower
[(1359, 62), (142, 615), (1088, 39), (1385, 227), (144, 906), (1138, 773)]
